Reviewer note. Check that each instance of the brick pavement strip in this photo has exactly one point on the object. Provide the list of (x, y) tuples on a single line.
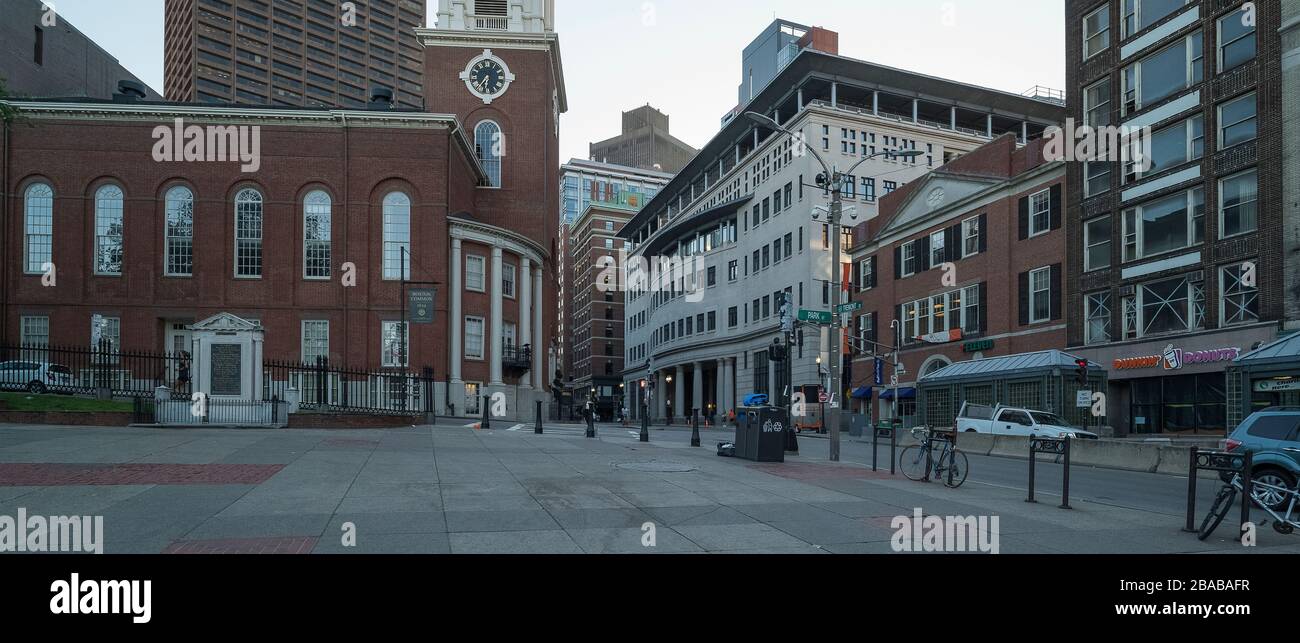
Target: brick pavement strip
[(55, 475), (243, 546)]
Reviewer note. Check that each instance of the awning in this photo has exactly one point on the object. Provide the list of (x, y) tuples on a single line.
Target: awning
[(862, 393), (907, 393)]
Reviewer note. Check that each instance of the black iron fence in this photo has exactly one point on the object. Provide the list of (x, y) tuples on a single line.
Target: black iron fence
[(327, 389), (87, 370)]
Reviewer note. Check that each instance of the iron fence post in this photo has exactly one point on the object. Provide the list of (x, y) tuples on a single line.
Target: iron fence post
[(487, 423), (1065, 484), (1246, 497), (1032, 458), (1191, 491)]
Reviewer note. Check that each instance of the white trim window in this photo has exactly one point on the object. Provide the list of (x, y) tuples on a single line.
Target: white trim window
[(397, 236), (1240, 304), (110, 329), (1236, 40), (1096, 243), (1237, 121), (178, 260), (474, 333), (394, 336), (315, 340), (316, 234), (1096, 103), (38, 227), (1171, 146), (866, 273), (970, 234), (248, 234), (938, 254), (909, 258), (509, 334), (1040, 295), (489, 146), (1096, 312), (1137, 15), (508, 272), (475, 273), (1164, 225), (108, 230), (955, 309), (1096, 31), (1170, 305), (1239, 204), (34, 331), (1096, 178), (1163, 73), (1040, 213)]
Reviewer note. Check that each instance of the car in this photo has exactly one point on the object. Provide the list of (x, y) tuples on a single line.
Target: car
[(1272, 437), (1008, 420), (34, 377)]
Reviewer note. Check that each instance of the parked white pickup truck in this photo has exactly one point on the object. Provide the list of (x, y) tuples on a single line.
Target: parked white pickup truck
[(1006, 420)]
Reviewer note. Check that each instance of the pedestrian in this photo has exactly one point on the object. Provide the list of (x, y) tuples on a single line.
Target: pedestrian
[(183, 374)]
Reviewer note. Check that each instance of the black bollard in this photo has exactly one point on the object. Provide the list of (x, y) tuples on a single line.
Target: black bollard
[(591, 424), (695, 427), (538, 429), (875, 433), (893, 446), (486, 403), (1191, 493), (1065, 482)]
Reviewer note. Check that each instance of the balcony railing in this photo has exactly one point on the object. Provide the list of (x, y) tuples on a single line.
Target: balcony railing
[(489, 23), (517, 358)]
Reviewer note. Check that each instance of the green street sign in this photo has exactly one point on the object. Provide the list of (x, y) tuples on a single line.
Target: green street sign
[(848, 308), (815, 316)]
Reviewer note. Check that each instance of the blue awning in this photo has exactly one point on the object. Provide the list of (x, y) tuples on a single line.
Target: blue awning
[(862, 393), (907, 393)]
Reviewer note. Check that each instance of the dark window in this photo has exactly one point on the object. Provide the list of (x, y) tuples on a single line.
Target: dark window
[(38, 53), (1275, 427)]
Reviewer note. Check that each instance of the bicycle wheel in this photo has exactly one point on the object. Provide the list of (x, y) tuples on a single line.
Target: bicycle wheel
[(958, 467), (1218, 510), (912, 462)]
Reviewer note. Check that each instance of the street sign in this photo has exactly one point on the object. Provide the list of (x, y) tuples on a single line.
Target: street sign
[(1083, 399), (814, 316), (880, 371), (824, 397), (849, 307)]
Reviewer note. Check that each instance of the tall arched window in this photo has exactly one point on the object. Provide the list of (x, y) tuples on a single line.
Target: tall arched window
[(179, 260), (316, 215), (397, 236), (108, 230), (490, 145), (248, 233), (39, 227)]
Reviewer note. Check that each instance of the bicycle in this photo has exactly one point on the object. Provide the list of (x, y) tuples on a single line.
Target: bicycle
[(920, 462), (1285, 524)]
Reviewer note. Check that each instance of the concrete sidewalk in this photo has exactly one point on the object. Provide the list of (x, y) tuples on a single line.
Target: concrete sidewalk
[(456, 490)]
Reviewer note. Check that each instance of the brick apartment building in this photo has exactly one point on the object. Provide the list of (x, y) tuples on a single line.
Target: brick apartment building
[(469, 195), (1175, 271), (995, 215), (296, 52)]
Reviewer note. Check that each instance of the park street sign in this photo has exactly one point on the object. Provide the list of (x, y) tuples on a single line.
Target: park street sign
[(849, 307), (814, 316)]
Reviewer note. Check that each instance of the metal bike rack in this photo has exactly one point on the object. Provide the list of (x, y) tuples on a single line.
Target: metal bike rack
[(1222, 462), (892, 430), (1055, 446)]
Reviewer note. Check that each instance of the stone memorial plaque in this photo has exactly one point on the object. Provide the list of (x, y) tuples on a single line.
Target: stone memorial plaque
[(227, 370)]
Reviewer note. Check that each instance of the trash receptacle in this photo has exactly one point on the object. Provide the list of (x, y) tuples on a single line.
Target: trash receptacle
[(760, 433), (858, 425)]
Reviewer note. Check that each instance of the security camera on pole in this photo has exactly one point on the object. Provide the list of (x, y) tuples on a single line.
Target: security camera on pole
[(833, 182)]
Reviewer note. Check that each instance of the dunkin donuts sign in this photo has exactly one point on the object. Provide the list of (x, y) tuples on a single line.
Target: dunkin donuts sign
[(1173, 359)]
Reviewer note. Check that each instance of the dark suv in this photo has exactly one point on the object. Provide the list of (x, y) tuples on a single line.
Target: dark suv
[(1273, 437)]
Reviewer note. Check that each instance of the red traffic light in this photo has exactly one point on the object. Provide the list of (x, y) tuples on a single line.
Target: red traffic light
[(1081, 363)]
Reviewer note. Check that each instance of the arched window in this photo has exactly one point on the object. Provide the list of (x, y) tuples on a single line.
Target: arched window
[(39, 227), (397, 236), (179, 260), (316, 217), (490, 145), (248, 233), (108, 230)]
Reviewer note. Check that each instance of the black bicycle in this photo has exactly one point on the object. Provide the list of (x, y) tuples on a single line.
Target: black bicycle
[(1284, 523), (935, 457)]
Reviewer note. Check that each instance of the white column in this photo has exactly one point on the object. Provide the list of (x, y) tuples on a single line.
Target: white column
[(525, 283), (494, 336), (835, 94), (989, 125), (697, 388), (729, 387), (875, 103), (720, 386), (916, 110), (679, 393), (661, 396), (800, 99), (540, 348), (457, 321), (1024, 132), (953, 117)]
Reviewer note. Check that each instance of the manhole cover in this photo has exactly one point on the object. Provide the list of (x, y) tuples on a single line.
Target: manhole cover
[(656, 467)]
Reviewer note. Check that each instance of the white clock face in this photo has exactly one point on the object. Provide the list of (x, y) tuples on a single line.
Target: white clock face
[(487, 76)]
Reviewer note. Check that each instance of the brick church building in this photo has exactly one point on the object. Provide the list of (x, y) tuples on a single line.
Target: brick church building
[(146, 215)]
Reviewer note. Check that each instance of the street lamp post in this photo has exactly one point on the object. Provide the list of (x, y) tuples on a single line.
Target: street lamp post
[(833, 181)]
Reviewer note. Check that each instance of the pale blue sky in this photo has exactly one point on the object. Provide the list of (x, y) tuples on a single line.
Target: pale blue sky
[(683, 56)]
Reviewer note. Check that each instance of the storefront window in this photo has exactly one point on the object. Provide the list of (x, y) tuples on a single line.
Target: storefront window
[(1179, 404)]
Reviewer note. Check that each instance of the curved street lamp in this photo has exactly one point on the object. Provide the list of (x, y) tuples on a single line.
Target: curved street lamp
[(834, 183)]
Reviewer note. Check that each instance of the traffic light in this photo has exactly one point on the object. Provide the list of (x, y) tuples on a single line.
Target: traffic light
[(1081, 371), (777, 352)]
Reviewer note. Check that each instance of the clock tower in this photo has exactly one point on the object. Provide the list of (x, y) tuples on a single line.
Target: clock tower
[(495, 65)]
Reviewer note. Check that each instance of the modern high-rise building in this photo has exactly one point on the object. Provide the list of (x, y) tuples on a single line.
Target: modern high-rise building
[(744, 210), (1178, 268), (771, 51), (645, 143), (319, 53), (42, 55)]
